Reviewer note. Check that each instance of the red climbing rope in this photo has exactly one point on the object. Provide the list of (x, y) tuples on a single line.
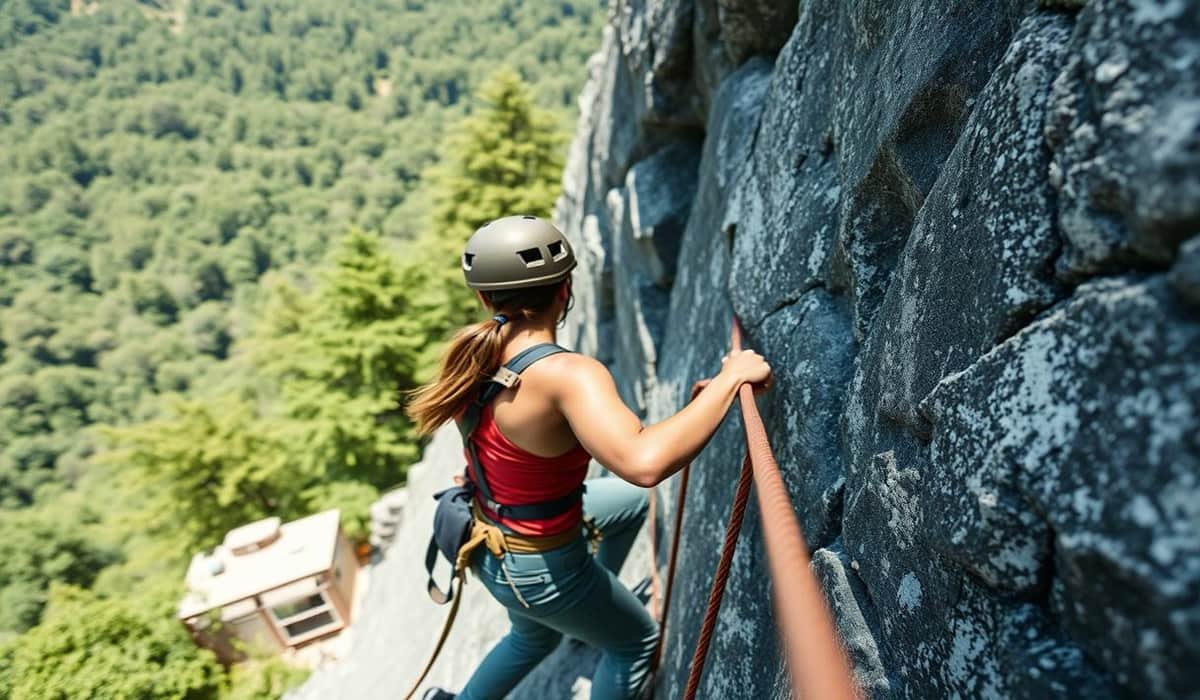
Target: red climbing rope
[(732, 530), (816, 662)]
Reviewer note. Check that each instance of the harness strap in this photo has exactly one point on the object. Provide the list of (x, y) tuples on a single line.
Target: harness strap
[(508, 376), (501, 541), (460, 574)]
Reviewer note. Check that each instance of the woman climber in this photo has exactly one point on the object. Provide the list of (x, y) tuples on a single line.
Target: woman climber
[(532, 437)]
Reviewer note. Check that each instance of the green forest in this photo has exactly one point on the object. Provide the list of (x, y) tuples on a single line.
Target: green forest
[(229, 234)]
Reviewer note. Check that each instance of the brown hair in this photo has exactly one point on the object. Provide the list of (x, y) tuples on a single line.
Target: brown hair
[(473, 355)]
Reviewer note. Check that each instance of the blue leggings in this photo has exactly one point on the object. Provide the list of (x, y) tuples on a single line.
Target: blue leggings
[(568, 591)]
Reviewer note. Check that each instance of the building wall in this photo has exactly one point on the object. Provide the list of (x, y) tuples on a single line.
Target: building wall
[(344, 575)]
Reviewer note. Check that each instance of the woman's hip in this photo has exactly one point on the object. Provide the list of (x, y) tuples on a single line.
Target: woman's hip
[(538, 584)]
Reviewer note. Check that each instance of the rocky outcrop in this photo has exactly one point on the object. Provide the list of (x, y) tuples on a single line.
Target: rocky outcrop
[(966, 236)]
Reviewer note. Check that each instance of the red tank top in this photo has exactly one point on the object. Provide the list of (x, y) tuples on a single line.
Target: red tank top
[(518, 477)]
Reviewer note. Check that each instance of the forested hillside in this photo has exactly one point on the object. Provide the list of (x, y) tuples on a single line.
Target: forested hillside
[(224, 235)]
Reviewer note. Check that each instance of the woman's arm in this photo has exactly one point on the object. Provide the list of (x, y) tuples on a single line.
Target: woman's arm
[(587, 397)]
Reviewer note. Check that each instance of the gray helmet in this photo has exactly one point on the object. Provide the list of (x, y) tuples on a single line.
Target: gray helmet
[(515, 252)]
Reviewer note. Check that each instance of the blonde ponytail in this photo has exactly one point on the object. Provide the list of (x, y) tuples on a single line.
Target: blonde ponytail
[(472, 355)]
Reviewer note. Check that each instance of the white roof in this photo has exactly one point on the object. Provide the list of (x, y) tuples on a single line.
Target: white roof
[(305, 547), (252, 536)]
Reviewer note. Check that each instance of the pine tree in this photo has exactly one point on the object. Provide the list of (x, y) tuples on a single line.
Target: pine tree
[(505, 159), (341, 359)]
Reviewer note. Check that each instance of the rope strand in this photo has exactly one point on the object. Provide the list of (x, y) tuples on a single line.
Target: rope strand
[(733, 530), (816, 662)]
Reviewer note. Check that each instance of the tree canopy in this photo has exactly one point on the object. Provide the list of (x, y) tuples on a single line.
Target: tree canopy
[(229, 240), (91, 647)]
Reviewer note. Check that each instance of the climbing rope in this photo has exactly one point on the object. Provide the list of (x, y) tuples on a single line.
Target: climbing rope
[(816, 662), (732, 530)]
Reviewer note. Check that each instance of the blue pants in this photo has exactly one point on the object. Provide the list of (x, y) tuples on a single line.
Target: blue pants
[(568, 591)]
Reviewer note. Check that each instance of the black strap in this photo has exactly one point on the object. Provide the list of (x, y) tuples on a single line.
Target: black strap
[(490, 389), (437, 594), (543, 510)]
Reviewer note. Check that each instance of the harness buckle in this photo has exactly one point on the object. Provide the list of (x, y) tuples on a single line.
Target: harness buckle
[(594, 534), (506, 377)]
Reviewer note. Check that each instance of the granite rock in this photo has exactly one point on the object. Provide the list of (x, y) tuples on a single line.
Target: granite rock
[(903, 201), (1125, 131), (978, 262), (1078, 441)]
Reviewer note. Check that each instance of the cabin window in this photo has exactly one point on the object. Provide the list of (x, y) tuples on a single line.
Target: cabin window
[(306, 618), (295, 607)]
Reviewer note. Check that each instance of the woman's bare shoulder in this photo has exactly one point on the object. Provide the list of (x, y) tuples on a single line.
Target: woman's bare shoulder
[(568, 369)]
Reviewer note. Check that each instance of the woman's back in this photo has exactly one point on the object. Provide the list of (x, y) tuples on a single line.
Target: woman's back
[(527, 413), (529, 452)]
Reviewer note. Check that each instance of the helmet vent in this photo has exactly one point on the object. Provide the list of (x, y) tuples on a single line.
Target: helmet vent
[(531, 218), (558, 251), (468, 258), (532, 257)]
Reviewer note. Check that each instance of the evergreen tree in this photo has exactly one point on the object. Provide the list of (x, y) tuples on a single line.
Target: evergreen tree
[(341, 358), (505, 159)]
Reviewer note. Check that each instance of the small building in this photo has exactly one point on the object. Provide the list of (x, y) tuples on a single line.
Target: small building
[(271, 585)]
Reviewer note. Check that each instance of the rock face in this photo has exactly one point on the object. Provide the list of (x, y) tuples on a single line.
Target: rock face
[(967, 236)]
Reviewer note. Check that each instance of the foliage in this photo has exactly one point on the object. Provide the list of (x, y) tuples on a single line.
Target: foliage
[(156, 160), (212, 458), (36, 549), (90, 647), (263, 679), (229, 239)]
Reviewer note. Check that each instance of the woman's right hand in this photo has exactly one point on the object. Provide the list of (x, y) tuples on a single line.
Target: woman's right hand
[(747, 366)]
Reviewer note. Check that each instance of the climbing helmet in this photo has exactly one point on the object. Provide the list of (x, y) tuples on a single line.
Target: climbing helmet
[(515, 252)]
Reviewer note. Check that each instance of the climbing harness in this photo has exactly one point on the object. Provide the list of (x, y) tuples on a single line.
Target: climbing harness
[(460, 525), (816, 662)]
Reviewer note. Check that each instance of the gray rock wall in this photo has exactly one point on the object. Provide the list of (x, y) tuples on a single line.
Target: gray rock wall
[(967, 236)]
